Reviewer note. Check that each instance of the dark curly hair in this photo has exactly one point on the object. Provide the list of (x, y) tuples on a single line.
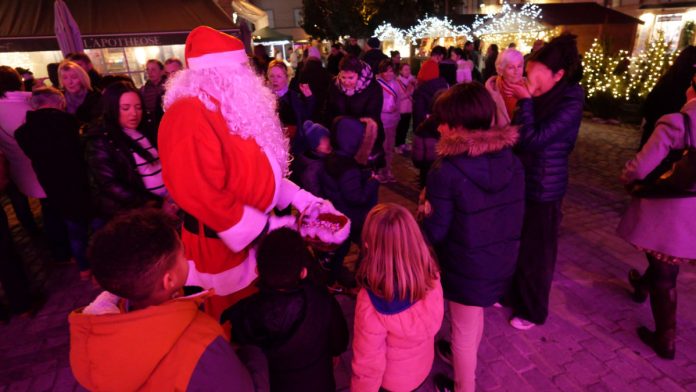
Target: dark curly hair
[(131, 254), (10, 80)]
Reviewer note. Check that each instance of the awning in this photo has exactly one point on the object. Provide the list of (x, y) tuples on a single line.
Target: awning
[(267, 34), (27, 25)]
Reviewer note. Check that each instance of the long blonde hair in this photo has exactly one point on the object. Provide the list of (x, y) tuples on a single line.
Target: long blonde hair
[(397, 263), (67, 66)]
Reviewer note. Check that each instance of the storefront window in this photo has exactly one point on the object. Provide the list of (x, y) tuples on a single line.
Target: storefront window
[(127, 61)]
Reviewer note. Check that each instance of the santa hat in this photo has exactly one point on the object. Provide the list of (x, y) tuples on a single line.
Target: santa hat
[(209, 48)]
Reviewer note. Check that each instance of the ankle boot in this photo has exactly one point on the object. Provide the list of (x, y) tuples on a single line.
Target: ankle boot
[(663, 303), (639, 284)]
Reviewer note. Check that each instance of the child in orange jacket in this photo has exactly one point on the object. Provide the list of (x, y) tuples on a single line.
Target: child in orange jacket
[(140, 334)]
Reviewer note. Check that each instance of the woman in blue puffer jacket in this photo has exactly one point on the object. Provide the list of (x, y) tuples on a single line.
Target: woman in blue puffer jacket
[(549, 112)]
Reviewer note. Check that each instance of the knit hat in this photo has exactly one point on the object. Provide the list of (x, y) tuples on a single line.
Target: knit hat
[(313, 133), (209, 48), (373, 43), (314, 52)]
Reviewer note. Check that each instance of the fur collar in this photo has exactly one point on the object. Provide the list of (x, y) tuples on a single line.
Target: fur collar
[(477, 143)]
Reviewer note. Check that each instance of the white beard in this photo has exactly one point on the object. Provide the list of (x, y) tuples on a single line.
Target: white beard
[(248, 106)]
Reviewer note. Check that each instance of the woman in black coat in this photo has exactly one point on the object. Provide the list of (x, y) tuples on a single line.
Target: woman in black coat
[(117, 183), (81, 99), (356, 94), (549, 112)]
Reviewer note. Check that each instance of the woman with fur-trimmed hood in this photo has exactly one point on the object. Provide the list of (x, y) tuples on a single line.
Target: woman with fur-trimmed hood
[(474, 211)]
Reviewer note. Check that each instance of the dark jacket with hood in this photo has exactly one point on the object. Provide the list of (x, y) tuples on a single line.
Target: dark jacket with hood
[(347, 183), (365, 102), (549, 126), (423, 98), (116, 184), (309, 168), (51, 139), (299, 331), (476, 191)]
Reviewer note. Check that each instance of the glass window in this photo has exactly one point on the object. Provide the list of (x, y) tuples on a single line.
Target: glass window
[(271, 18), (299, 16)]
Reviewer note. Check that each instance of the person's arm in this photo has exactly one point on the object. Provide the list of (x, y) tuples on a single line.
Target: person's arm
[(219, 369), (369, 348), (668, 135), (440, 196), (536, 134), (355, 192), (373, 104)]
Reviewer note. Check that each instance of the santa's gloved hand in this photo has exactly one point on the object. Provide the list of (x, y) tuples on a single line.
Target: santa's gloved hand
[(276, 222), (291, 193)]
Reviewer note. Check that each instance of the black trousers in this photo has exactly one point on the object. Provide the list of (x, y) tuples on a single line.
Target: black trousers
[(13, 278), (402, 129), (536, 262)]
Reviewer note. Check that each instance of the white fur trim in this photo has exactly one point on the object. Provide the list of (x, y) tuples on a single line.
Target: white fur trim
[(291, 193), (245, 231), (226, 282), (214, 60), (339, 236)]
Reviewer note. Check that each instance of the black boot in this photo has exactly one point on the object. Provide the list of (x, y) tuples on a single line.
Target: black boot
[(663, 302), (639, 284)]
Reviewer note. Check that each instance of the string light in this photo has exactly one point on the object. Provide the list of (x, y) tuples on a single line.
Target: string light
[(622, 76), (520, 25)]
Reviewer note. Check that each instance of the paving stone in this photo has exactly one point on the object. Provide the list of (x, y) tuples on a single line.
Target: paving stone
[(565, 383), (538, 381), (668, 385)]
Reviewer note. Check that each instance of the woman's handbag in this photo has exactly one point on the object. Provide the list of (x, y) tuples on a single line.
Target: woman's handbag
[(679, 180)]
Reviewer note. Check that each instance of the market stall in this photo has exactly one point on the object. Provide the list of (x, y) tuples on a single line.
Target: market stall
[(119, 36)]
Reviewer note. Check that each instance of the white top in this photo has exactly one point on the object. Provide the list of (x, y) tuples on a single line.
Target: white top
[(150, 171), (13, 113)]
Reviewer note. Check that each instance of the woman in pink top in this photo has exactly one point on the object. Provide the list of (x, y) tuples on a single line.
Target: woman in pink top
[(400, 305)]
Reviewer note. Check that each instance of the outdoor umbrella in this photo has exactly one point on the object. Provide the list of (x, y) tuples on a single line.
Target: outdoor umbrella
[(67, 31)]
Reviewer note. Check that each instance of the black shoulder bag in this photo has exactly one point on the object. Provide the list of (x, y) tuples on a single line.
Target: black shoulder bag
[(679, 179)]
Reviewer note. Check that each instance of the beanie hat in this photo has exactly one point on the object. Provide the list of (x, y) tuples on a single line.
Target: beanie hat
[(373, 42), (209, 48), (313, 133), (314, 52)]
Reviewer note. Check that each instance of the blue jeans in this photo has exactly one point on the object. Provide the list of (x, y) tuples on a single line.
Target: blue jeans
[(78, 234)]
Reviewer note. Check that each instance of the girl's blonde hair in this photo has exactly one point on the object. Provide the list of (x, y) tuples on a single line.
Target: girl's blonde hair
[(397, 263), (67, 66)]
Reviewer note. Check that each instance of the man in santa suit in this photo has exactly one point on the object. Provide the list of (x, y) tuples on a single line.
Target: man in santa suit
[(224, 161)]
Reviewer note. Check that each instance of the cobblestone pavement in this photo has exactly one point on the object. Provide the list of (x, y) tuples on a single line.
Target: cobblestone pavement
[(588, 343)]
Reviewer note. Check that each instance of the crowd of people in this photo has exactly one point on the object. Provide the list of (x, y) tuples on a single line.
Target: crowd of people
[(190, 188)]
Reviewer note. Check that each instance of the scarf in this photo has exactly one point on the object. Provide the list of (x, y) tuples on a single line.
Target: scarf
[(509, 100), (73, 101), (364, 80)]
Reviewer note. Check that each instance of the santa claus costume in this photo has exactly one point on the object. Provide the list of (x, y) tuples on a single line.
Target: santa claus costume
[(224, 161)]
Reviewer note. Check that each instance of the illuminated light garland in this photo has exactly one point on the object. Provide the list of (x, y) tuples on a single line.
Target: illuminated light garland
[(512, 24), (601, 72)]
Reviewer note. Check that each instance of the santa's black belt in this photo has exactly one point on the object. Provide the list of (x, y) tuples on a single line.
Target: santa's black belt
[(192, 225)]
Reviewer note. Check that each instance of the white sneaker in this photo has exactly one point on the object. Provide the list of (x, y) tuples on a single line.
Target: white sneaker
[(521, 324)]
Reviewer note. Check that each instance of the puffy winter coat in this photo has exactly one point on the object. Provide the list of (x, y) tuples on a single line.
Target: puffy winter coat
[(347, 184), (116, 184), (299, 330), (423, 99), (476, 191), (394, 348), (549, 127)]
